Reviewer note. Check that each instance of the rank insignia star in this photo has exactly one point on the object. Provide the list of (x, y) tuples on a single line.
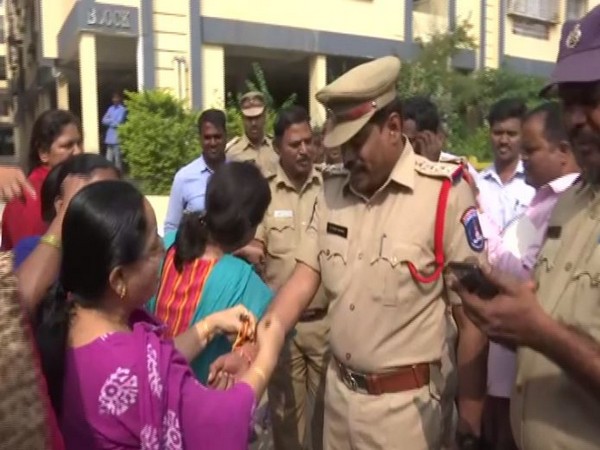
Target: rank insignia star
[(574, 37)]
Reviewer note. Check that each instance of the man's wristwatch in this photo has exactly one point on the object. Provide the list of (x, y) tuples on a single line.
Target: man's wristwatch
[(468, 441)]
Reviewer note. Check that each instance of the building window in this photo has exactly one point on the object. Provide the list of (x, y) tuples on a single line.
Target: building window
[(533, 18), (538, 10), (7, 141), (2, 32), (2, 68), (576, 9)]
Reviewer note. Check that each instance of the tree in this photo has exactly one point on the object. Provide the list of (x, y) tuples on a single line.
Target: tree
[(462, 98), (158, 138)]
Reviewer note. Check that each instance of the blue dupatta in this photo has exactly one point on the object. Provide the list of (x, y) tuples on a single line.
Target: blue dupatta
[(231, 282)]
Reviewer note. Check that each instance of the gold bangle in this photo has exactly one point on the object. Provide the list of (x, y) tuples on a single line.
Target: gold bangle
[(206, 330), (260, 373), (51, 240)]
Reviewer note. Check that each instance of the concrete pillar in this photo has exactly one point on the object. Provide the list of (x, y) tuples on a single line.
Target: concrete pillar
[(317, 79), (88, 77), (213, 76), (62, 93)]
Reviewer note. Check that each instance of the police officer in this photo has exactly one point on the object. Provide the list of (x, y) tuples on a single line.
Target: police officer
[(300, 373), (378, 241), (555, 319), (254, 146)]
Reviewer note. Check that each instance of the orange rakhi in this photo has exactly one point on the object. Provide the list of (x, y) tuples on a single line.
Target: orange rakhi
[(246, 333)]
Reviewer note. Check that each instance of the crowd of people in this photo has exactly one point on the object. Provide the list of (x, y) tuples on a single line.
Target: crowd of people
[(319, 267)]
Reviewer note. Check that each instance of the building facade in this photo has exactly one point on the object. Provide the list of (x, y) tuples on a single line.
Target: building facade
[(74, 53)]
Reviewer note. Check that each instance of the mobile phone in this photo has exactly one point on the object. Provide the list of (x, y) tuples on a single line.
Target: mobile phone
[(473, 279)]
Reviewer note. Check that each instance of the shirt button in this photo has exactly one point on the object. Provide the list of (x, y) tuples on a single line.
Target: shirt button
[(348, 356), (568, 266), (352, 307)]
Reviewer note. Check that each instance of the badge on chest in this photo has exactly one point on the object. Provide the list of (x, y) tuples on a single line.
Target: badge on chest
[(337, 230)]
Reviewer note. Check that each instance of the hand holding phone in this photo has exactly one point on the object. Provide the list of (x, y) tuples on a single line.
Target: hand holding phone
[(473, 279)]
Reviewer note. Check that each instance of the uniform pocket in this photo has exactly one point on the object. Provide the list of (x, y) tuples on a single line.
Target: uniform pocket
[(281, 236), (548, 255), (333, 259), (391, 275)]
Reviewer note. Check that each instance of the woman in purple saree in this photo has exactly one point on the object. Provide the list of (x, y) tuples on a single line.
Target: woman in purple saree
[(113, 381)]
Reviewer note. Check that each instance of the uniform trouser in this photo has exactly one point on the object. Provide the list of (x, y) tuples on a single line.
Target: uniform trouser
[(450, 377), (297, 382), (409, 420)]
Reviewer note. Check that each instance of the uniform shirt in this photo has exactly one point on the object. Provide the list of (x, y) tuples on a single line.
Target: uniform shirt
[(517, 255), (188, 192), (380, 317), (286, 220), (114, 116), (504, 201), (241, 149), (550, 410)]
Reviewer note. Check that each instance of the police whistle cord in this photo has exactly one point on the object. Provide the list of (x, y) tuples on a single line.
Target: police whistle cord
[(438, 237)]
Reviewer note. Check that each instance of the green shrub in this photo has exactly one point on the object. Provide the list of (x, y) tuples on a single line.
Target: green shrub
[(463, 98), (158, 138)]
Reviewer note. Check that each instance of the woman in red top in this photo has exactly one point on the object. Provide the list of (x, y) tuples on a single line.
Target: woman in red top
[(55, 136)]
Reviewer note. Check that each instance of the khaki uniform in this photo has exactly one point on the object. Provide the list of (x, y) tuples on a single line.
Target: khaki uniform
[(265, 157), (300, 372), (549, 410), (381, 318)]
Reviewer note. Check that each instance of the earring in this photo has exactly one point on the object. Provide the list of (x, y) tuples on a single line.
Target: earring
[(123, 292)]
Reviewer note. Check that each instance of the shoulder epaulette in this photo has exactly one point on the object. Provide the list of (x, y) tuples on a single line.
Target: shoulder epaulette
[(455, 159), (332, 170), (436, 169), (232, 142)]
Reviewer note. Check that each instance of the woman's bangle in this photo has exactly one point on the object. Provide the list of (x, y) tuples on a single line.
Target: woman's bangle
[(206, 330), (51, 240)]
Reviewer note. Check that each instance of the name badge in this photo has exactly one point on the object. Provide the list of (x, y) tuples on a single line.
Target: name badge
[(338, 230), (283, 214)]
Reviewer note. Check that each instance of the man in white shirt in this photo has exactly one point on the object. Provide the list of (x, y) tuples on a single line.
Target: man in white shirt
[(504, 194)]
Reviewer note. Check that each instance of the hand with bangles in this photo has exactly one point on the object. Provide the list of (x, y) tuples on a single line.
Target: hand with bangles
[(229, 368), (231, 321)]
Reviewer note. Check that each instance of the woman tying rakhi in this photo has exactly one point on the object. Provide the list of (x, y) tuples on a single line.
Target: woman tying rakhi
[(114, 382)]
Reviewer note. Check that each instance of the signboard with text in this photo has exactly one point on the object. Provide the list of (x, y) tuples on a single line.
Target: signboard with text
[(110, 19)]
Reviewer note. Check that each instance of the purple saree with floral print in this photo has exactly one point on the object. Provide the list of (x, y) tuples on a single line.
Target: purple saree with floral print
[(134, 390)]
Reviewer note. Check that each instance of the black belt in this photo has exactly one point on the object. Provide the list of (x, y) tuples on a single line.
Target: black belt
[(312, 315)]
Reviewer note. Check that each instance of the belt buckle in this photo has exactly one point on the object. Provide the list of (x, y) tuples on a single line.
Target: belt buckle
[(351, 382), (348, 378)]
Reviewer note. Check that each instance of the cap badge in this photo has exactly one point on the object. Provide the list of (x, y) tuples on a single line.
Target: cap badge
[(574, 37)]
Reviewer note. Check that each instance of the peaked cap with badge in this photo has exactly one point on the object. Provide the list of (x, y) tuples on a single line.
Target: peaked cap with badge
[(579, 52), (356, 96), (252, 104)]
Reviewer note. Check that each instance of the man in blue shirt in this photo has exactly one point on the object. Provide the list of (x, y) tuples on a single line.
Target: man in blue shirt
[(189, 185), (114, 116), (504, 195)]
